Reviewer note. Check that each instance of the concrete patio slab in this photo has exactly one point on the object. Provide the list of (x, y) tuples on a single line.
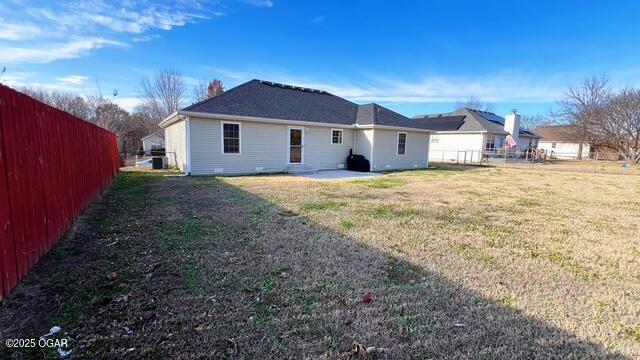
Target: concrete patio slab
[(341, 175)]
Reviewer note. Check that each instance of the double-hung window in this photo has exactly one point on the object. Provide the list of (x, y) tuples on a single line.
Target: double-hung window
[(402, 143), (336, 136), (490, 144), (230, 138)]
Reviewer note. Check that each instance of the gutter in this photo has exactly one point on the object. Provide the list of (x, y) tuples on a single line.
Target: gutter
[(178, 115)]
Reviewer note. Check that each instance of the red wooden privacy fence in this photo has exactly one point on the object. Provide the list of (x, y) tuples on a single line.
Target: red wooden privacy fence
[(52, 165)]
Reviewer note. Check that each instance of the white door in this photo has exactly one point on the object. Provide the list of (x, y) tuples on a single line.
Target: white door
[(296, 145)]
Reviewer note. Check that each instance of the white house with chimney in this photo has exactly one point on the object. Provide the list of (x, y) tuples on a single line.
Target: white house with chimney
[(466, 135)]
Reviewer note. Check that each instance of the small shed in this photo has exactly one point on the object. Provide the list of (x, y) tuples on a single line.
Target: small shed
[(152, 141)]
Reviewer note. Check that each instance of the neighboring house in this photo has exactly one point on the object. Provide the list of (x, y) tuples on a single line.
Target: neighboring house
[(562, 142), (152, 141), (473, 133), (264, 127)]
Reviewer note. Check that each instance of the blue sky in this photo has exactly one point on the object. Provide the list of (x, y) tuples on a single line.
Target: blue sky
[(414, 57)]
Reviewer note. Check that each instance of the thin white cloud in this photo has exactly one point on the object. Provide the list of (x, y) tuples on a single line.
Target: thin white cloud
[(319, 19), (73, 84), (145, 38), (190, 81), (48, 52), (17, 31), (73, 79), (15, 79), (127, 103), (259, 3), (42, 31), (497, 88)]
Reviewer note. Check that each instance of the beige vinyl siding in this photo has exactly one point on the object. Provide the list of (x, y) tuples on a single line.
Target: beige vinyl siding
[(385, 149), (263, 148), (364, 139), (320, 153), (176, 145)]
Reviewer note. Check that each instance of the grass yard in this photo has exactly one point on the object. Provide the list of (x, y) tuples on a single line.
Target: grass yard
[(447, 263), (585, 166)]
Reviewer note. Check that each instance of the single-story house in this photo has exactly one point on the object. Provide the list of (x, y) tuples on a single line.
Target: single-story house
[(152, 141), (562, 142), (263, 127), (472, 134)]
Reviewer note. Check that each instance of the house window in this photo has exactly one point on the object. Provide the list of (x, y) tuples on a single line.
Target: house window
[(336, 136), (553, 145), (402, 143), (230, 138), (490, 144)]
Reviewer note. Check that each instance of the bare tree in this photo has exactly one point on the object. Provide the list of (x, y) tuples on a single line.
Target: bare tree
[(71, 103), (200, 92), (163, 95), (528, 122), (104, 113), (129, 128), (584, 106), (620, 126), (204, 91), (474, 103)]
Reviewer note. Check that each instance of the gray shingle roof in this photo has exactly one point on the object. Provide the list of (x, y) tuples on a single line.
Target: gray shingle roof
[(477, 120), (443, 123), (379, 115), (265, 99), (567, 133), (482, 121)]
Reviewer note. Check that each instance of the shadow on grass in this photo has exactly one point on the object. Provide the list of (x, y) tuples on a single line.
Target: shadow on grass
[(310, 280), (216, 271)]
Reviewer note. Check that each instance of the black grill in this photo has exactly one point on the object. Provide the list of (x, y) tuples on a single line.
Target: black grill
[(357, 162)]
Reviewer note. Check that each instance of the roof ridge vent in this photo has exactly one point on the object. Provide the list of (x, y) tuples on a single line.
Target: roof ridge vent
[(293, 87)]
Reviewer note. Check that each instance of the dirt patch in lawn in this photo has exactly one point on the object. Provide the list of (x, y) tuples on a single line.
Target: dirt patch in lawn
[(242, 268)]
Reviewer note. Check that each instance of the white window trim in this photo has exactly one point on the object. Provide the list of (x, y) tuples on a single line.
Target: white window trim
[(406, 138), (341, 136), (222, 137)]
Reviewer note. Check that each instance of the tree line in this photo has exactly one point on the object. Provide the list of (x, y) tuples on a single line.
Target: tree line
[(604, 116), (159, 96)]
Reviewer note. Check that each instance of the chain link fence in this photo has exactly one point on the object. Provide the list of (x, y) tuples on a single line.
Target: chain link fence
[(592, 162)]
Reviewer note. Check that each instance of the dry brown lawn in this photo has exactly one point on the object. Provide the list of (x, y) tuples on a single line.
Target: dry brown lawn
[(459, 263), (584, 166)]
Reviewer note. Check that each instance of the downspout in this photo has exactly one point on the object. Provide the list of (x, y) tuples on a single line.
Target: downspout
[(187, 170), (355, 139), (428, 146), (373, 136)]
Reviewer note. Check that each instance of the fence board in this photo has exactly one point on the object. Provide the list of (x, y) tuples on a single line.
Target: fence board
[(52, 165), (8, 265)]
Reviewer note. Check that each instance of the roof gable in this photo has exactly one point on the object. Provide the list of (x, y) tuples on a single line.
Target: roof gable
[(156, 134)]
